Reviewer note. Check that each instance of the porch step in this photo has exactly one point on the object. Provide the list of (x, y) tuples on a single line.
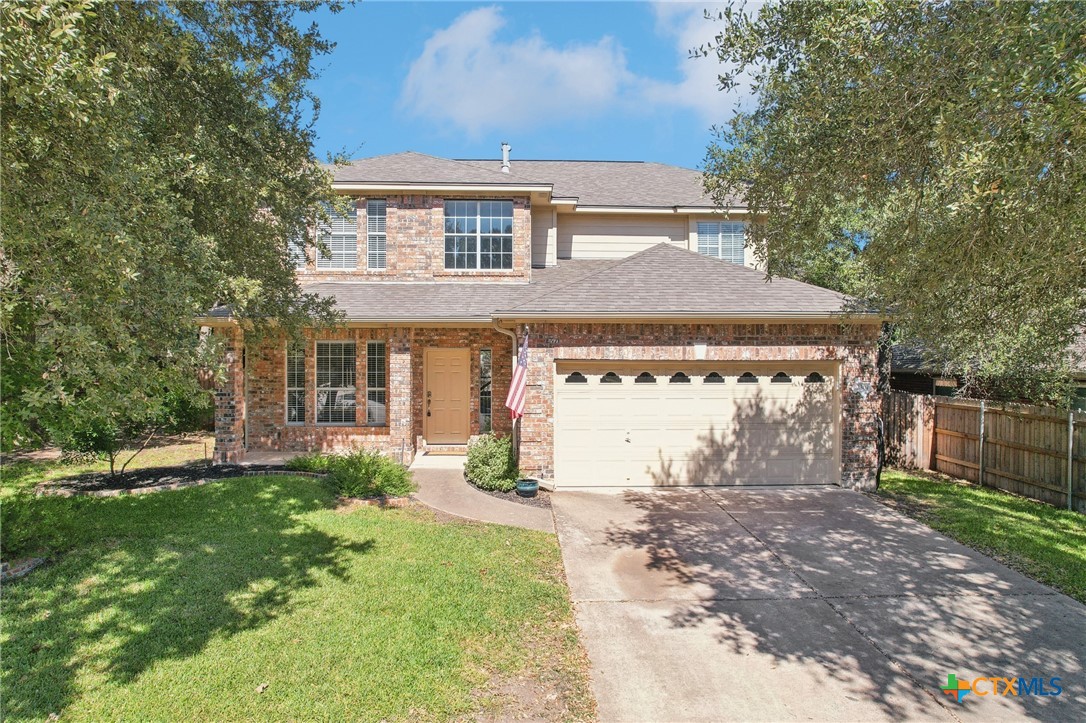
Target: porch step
[(445, 450)]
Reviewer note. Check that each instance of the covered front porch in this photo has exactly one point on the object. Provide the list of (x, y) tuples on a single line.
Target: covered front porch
[(399, 389)]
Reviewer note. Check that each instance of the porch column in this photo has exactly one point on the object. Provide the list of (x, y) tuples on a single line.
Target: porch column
[(400, 397), (230, 399)]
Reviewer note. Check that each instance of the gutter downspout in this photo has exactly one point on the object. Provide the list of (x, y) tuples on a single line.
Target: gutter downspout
[(516, 350)]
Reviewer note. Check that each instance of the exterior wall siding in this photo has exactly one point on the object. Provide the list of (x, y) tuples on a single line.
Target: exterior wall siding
[(854, 346), (415, 244), (615, 236)]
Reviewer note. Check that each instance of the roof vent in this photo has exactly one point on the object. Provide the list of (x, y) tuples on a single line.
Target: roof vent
[(505, 156)]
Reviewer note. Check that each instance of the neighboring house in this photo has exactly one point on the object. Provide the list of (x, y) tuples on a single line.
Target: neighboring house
[(912, 370), (656, 354)]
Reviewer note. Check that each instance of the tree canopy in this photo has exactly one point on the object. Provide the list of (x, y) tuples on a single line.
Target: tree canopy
[(157, 157), (929, 158)]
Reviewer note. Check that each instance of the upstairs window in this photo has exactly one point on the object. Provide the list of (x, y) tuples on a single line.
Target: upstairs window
[(722, 239), (296, 250), (340, 235), (376, 213), (478, 234)]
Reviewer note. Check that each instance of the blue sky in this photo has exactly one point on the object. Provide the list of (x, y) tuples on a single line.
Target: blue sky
[(604, 80)]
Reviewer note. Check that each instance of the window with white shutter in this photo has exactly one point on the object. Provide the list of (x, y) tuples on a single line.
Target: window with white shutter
[(340, 235), (722, 239), (376, 212)]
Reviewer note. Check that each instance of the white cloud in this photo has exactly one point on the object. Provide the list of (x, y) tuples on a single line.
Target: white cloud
[(467, 76), (476, 81), (699, 87)]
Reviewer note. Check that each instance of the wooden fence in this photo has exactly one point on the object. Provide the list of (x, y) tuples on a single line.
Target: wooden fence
[(1038, 452)]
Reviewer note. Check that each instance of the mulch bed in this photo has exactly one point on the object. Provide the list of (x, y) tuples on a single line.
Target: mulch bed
[(150, 479), (541, 499)]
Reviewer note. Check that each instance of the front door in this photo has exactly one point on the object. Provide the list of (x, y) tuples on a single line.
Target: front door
[(446, 402)]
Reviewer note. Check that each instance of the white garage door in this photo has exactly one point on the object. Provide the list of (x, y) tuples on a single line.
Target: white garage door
[(665, 424)]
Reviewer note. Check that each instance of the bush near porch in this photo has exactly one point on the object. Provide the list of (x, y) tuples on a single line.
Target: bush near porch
[(257, 598), (359, 473), (1041, 541), (491, 465)]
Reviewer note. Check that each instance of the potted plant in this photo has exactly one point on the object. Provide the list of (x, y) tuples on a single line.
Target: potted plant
[(527, 487)]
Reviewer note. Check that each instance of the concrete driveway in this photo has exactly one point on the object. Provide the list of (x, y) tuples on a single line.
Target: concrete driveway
[(803, 604)]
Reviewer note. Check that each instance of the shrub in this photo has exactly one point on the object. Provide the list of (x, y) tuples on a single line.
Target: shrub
[(491, 465), (360, 473), (312, 462)]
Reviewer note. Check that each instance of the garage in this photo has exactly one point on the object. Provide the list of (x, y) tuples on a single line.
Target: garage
[(660, 424)]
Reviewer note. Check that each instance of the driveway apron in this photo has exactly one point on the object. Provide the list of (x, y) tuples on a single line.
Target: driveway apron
[(803, 604)]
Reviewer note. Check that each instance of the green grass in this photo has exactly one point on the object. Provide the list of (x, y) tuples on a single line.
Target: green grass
[(165, 452), (1041, 541), (182, 605)]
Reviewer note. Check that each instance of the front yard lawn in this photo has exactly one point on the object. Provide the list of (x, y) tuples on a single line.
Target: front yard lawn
[(256, 598), (1041, 541)]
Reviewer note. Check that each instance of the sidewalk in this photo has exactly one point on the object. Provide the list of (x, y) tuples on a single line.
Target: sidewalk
[(442, 486)]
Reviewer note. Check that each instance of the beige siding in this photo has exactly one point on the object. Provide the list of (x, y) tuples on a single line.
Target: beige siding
[(544, 241), (614, 236)]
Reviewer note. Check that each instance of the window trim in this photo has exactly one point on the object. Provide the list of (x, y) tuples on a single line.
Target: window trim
[(376, 236), (293, 348), (719, 240), (325, 235), (488, 393), (479, 236), (317, 389), (383, 390)]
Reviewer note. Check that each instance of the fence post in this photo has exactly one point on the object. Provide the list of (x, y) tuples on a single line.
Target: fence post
[(1070, 456), (980, 450)]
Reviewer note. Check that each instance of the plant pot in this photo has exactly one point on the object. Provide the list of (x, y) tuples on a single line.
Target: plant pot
[(527, 487)]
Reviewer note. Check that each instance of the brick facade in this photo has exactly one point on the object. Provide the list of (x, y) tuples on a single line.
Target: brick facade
[(261, 391), (853, 346), (415, 246)]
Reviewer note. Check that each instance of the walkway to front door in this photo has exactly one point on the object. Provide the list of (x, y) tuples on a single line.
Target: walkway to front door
[(447, 397)]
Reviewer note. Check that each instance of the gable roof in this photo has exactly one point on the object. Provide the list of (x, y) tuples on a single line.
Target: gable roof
[(410, 168), (626, 184), (668, 281), (617, 183)]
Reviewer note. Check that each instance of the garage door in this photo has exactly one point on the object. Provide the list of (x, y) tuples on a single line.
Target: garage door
[(655, 424)]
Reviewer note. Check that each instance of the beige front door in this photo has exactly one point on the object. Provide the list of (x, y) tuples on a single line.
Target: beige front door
[(446, 400), (657, 424)]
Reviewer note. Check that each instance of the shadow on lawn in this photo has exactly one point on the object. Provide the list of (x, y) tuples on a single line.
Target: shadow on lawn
[(157, 577)]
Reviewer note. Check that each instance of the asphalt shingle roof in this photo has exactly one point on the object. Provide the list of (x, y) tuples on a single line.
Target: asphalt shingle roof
[(662, 280), (634, 184)]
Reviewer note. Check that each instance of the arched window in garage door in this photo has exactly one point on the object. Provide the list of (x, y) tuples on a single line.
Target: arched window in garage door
[(576, 378), (610, 378), (814, 378), (747, 378), (645, 378), (679, 378), (781, 378), (714, 378)]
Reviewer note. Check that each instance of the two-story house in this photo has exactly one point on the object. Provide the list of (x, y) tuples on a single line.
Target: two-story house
[(657, 354)]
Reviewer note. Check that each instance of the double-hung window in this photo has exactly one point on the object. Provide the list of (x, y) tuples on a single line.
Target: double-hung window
[(335, 382), (478, 234), (376, 383), (486, 379), (295, 384), (722, 239), (376, 214), (340, 235), (296, 250)]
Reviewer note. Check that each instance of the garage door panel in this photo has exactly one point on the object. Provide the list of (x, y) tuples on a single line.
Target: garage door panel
[(697, 432)]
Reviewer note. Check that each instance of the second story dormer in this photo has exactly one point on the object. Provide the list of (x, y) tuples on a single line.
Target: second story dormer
[(415, 217)]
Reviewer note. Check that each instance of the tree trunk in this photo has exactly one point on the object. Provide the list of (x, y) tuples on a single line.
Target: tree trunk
[(882, 385)]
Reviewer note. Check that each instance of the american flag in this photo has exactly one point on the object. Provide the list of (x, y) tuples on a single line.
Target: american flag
[(518, 388)]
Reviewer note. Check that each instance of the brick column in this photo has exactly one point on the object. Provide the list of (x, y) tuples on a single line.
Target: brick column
[(399, 397), (230, 400)]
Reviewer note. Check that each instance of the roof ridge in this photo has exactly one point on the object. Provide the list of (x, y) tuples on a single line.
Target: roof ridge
[(500, 174)]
